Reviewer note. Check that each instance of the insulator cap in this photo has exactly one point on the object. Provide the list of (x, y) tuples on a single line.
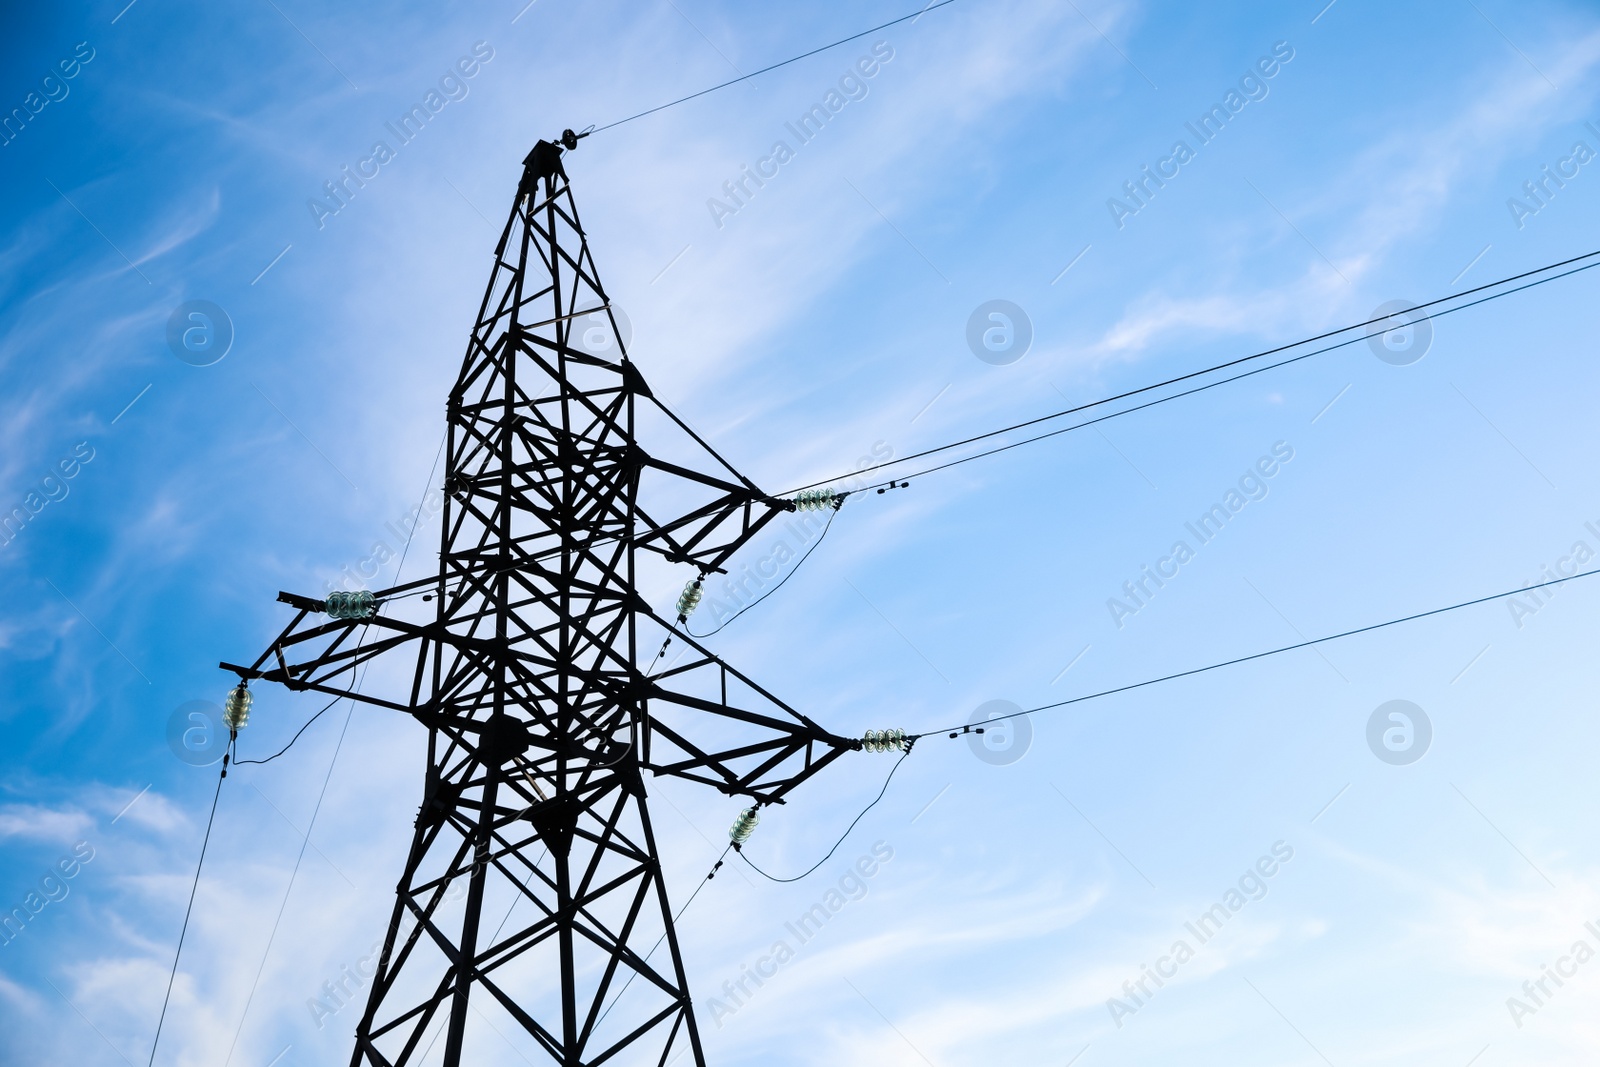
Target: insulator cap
[(884, 741), (358, 605), (816, 500), (689, 599), (236, 709), (744, 825)]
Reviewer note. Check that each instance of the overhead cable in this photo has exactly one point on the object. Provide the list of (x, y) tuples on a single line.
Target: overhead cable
[(956, 731), (798, 564), (737, 847), (793, 59), (205, 842), (1576, 264)]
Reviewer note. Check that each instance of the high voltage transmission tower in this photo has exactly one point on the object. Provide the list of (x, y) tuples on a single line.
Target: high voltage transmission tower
[(533, 889)]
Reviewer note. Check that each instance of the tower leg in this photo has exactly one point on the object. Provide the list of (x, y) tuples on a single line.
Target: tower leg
[(583, 962)]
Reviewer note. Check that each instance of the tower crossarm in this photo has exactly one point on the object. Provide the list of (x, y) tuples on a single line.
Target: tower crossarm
[(707, 535), (710, 723), (319, 652)]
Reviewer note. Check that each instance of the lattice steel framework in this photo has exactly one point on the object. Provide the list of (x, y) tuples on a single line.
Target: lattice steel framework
[(524, 665)]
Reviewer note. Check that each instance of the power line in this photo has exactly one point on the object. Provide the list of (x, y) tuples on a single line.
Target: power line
[(399, 567), (795, 59), (1223, 366), (296, 736), (1211, 370), (890, 483), (306, 840), (910, 743), (955, 731), (715, 867), (293, 874), (798, 563), (176, 956), (226, 756)]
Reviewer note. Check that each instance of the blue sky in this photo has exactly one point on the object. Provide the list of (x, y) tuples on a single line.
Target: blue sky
[(822, 322)]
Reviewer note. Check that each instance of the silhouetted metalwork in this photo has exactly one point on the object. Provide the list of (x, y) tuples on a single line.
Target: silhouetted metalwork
[(533, 890)]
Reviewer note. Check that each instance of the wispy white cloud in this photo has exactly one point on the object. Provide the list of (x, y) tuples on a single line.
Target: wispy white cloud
[(1399, 185), (40, 823), (23, 1000), (193, 218), (380, 358)]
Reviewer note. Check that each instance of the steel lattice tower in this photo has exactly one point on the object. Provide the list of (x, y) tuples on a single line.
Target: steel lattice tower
[(533, 888)]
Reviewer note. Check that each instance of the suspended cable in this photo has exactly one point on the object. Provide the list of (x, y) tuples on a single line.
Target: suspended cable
[(1111, 415), (404, 549), (415, 518), (795, 59), (956, 731), (293, 874), (176, 956), (398, 568), (890, 483), (1212, 370), (715, 867), (798, 563), (910, 743), (306, 840), (363, 638), (293, 739)]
